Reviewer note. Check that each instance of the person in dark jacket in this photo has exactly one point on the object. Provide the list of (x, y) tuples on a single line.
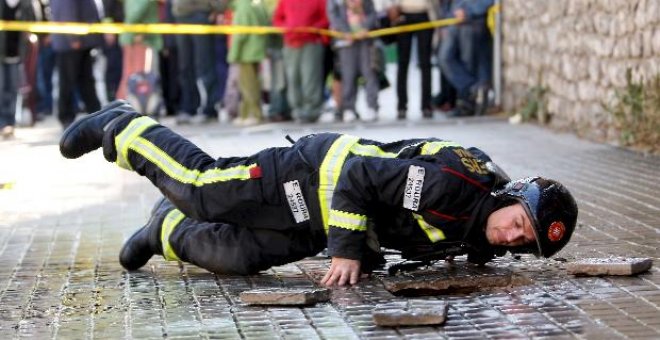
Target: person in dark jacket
[(74, 58), (240, 215), (12, 53)]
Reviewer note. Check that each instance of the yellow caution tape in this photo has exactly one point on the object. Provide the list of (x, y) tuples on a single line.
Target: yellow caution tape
[(6, 186), (116, 28), (491, 18)]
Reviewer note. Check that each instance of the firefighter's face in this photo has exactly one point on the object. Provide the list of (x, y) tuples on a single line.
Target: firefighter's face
[(510, 226)]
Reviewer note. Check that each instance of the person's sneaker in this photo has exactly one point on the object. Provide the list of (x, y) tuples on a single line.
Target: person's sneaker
[(251, 121), (183, 118), (481, 101), (145, 242), (350, 116), (370, 115), (86, 134), (7, 132), (463, 109), (238, 121), (401, 114)]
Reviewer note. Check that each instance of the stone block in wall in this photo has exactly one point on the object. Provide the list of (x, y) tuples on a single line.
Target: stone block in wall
[(650, 67), (601, 23), (636, 45), (584, 24), (567, 67), (593, 69), (605, 46), (647, 14), (552, 80), (620, 48), (624, 24), (615, 72), (656, 41), (509, 52), (587, 91), (573, 8), (647, 43), (571, 91), (653, 13)]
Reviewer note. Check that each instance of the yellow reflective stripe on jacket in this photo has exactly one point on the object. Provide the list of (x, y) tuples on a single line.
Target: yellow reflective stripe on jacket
[(348, 220), (431, 148), (124, 139), (434, 234), (371, 151), (329, 172), (172, 220)]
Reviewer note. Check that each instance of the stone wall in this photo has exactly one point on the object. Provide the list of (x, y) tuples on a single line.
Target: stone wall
[(579, 51)]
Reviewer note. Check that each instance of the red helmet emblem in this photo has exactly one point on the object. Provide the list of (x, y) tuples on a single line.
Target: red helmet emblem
[(556, 231)]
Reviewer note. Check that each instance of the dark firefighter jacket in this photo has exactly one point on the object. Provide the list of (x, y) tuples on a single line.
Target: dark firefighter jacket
[(419, 196)]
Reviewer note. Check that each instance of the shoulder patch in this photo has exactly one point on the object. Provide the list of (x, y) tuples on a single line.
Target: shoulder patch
[(412, 194)]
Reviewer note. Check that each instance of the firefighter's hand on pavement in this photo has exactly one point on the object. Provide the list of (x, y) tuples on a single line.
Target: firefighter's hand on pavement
[(342, 271)]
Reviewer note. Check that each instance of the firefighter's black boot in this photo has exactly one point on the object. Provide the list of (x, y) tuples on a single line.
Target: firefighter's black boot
[(86, 134), (145, 243)]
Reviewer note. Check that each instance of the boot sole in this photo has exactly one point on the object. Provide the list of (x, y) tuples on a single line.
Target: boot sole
[(75, 125)]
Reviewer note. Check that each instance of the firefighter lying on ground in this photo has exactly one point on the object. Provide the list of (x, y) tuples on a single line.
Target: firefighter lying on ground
[(241, 215)]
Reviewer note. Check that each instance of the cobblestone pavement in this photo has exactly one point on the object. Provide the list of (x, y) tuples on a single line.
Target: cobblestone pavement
[(62, 224)]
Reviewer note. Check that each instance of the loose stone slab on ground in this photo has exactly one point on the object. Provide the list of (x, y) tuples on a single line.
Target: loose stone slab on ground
[(410, 313), (609, 266), (458, 278), (285, 296)]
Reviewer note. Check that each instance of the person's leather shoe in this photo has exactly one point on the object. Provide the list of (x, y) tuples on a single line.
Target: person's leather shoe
[(144, 243), (86, 134)]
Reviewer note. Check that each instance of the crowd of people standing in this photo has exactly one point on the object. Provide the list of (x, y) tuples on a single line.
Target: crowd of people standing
[(254, 78)]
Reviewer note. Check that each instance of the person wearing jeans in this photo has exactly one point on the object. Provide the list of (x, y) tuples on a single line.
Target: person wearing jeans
[(355, 18), (197, 60), (466, 53)]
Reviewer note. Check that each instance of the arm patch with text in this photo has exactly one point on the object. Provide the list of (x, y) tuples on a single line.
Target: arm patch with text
[(412, 195)]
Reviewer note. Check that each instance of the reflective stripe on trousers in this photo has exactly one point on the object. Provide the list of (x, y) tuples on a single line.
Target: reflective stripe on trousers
[(130, 140)]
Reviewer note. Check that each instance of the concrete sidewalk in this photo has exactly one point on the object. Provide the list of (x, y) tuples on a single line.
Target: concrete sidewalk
[(63, 222)]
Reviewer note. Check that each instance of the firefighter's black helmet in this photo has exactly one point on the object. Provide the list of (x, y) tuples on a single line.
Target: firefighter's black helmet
[(551, 208)]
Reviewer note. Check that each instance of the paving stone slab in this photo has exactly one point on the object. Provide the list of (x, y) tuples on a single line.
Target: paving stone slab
[(442, 280), (412, 312), (285, 296), (609, 266)]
